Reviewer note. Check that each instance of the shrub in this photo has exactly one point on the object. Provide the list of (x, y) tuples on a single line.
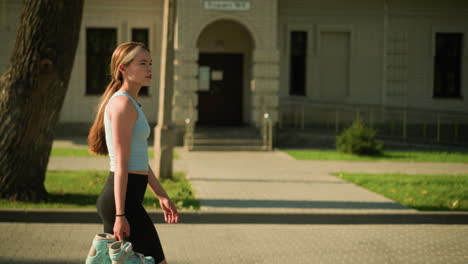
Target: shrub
[(359, 139)]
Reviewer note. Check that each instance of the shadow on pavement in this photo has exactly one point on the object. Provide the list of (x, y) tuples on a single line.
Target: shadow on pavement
[(250, 218), (36, 261), (267, 180), (225, 203)]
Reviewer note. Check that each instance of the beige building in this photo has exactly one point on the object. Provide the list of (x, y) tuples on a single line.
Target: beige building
[(238, 59)]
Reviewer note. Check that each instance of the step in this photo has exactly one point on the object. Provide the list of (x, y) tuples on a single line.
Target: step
[(230, 141), (227, 138), (227, 148)]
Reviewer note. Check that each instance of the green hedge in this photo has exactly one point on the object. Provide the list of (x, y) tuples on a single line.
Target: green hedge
[(359, 139)]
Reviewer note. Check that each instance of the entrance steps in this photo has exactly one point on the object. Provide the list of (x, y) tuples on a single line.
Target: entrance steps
[(227, 138)]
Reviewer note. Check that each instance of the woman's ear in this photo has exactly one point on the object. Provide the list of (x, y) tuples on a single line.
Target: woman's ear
[(121, 68)]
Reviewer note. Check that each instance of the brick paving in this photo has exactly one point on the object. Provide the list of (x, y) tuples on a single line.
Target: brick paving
[(28, 243)]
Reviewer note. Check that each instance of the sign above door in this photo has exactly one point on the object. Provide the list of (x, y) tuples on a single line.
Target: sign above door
[(227, 5)]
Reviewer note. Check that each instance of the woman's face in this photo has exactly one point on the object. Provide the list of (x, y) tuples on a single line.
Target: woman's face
[(139, 70)]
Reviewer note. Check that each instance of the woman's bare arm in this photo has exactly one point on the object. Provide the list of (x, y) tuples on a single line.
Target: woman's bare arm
[(123, 115), (170, 211), (155, 185)]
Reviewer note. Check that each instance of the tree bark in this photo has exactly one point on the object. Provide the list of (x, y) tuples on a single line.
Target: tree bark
[(32, 92)]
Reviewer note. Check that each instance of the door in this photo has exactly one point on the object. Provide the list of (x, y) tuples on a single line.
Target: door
[(220, 100)]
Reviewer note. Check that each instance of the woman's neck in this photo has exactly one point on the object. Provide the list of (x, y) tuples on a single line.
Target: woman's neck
[(131, 89)]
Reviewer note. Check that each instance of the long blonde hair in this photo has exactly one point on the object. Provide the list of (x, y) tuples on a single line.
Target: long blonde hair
[(122, 55)]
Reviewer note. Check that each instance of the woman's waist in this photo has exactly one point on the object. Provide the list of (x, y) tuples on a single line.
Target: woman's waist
[(134, 178), (139, 173)]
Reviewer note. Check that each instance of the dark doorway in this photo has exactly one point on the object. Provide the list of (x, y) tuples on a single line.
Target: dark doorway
[(221, 102)]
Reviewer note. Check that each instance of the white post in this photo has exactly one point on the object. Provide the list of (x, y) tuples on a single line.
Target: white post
[(164, 131)]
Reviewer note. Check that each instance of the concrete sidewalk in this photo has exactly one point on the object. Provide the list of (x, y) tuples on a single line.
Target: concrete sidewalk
[(275, 182)]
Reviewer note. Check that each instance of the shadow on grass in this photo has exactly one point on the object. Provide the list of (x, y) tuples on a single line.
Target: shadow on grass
[(387, 155), (72, 199), (438, 208)]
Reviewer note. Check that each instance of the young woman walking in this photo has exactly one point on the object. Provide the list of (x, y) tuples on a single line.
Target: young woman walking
[(121, 130)]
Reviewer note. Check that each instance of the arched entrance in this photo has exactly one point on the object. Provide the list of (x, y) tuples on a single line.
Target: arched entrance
[(224, 61)]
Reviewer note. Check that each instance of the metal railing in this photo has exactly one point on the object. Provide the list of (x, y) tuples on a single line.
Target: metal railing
[(399, 123)]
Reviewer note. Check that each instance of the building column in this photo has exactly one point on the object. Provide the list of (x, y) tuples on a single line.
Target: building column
[(265, 85), (185, 100)]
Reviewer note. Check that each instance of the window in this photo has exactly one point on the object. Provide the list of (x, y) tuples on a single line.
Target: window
[(100, 43), (447, 65), (141, 35), (297, 66)]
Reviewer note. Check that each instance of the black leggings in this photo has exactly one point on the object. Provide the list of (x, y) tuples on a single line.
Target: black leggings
[(143, 235)]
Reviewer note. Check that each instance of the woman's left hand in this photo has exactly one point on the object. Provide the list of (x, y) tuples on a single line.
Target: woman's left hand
[(171, 215)]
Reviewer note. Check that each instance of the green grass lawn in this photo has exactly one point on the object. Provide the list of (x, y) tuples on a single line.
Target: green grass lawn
[(414, 156), (422, 192), (83, 152), (80, 189)]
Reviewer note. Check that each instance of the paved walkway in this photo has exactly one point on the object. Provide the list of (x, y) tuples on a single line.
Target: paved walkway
[(266, 207), (275, 182)]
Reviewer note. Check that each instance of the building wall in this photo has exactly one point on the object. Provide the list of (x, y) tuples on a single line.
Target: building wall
[(367, 31), (8, 28), (377, 31), (123, 15), (354, 28), (412, 26)]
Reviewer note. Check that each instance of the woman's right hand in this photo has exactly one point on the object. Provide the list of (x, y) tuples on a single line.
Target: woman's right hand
[(121, 228)]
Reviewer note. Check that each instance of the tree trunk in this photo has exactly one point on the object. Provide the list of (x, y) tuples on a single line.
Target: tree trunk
[(32, 92)]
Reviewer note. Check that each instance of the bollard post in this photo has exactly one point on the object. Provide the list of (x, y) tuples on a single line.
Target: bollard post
[(267, 132), (188, 137), (270, 134)]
